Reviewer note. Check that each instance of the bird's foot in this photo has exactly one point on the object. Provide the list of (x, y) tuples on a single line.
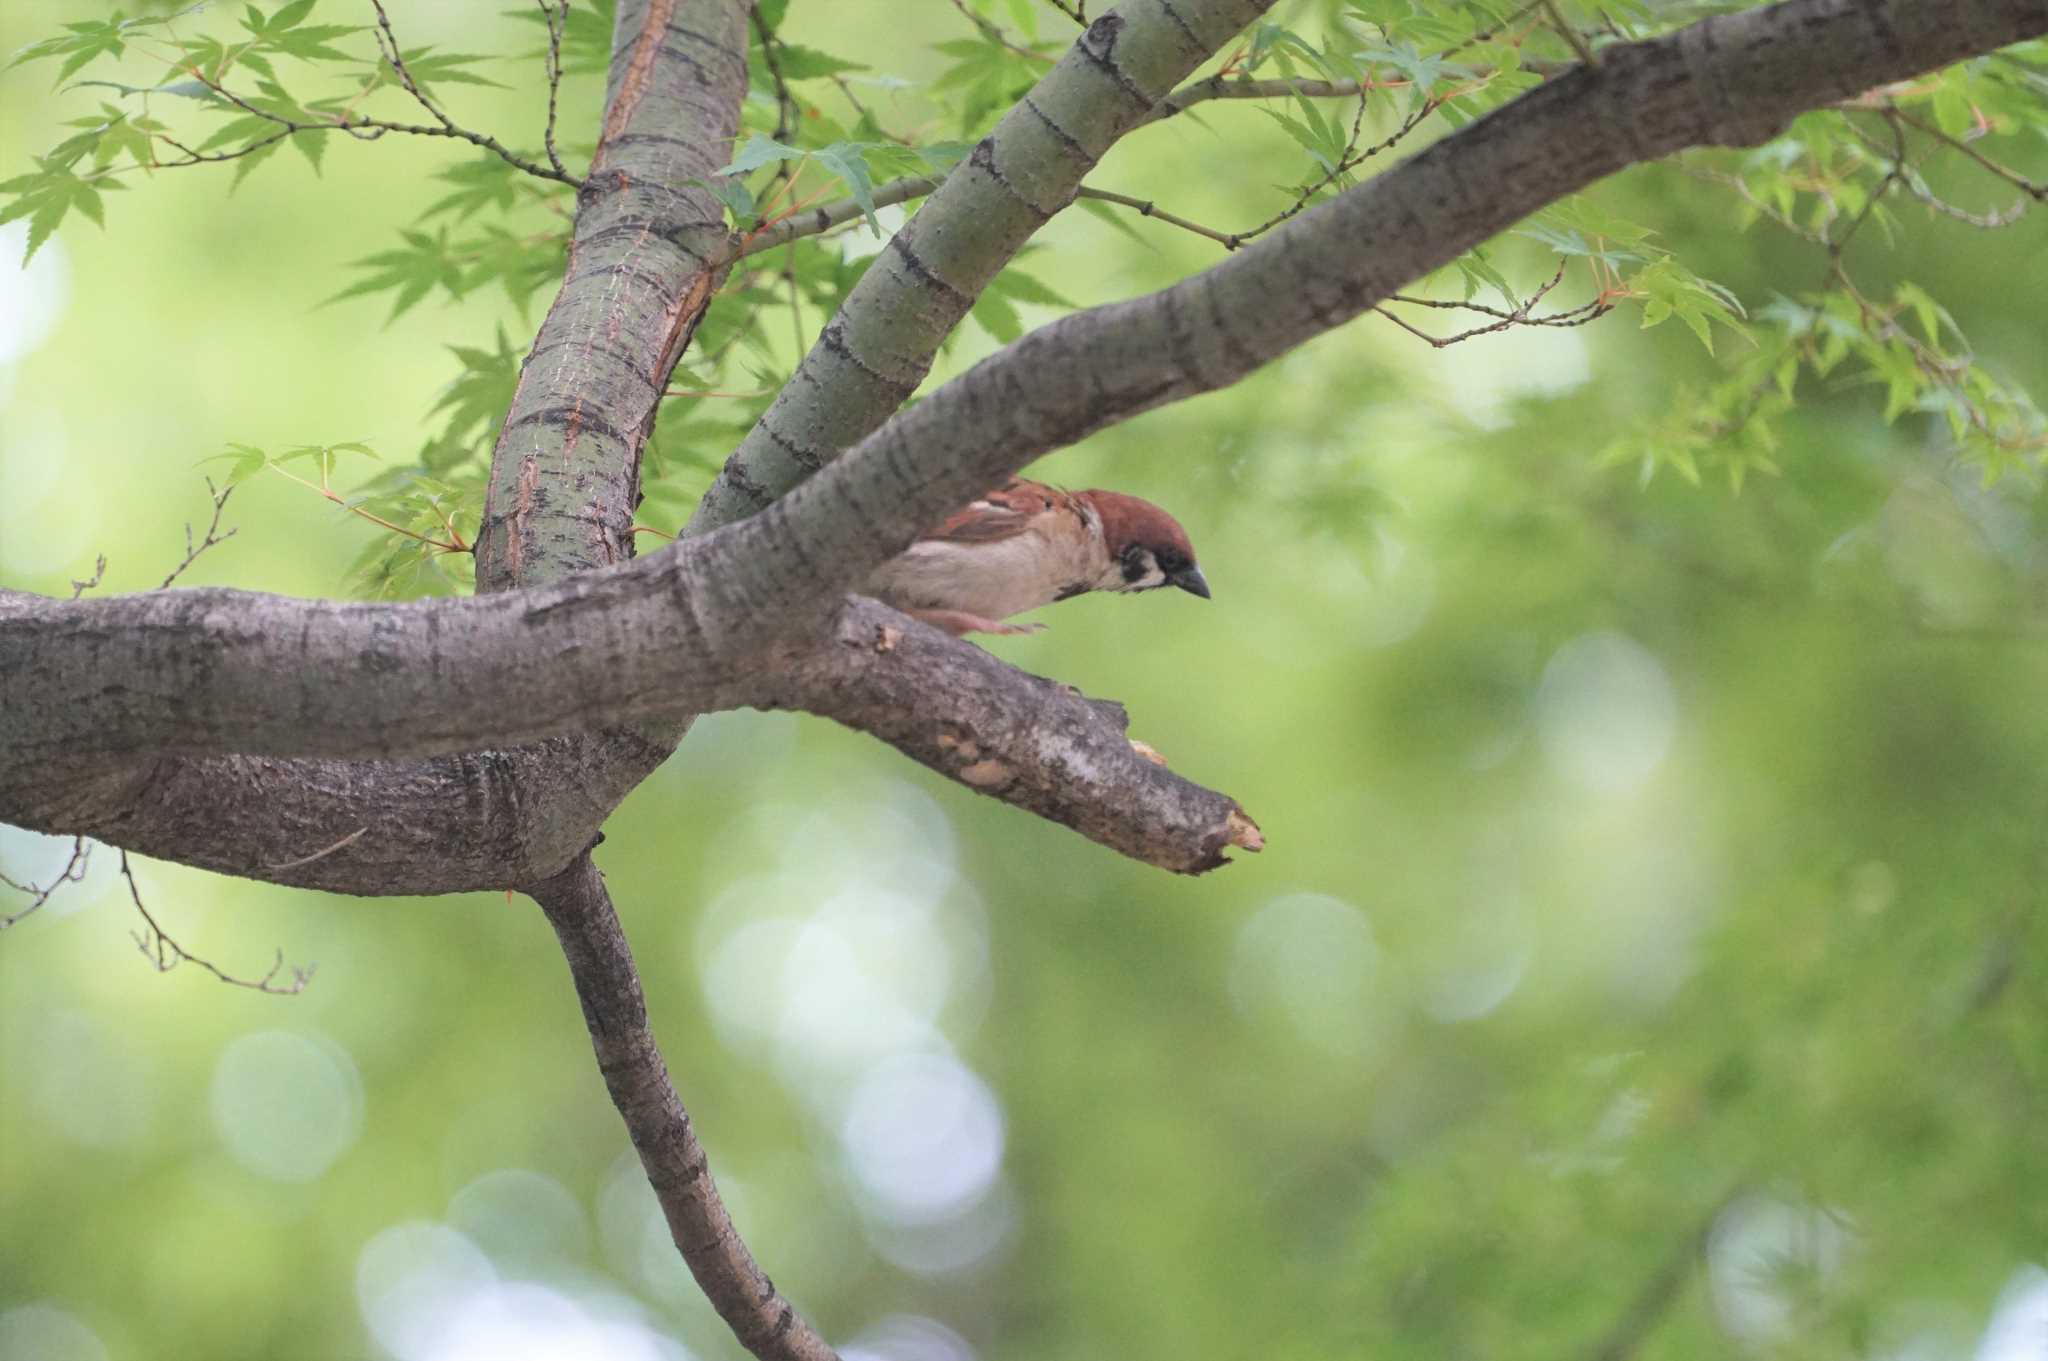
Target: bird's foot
[(959, 622)]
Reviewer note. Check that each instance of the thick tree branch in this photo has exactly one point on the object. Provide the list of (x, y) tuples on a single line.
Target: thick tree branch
[(1032, 743), (601, 965), (272, 685), (642, 265), (1731, 79), (450, 824), (639, 639), (879, 347)]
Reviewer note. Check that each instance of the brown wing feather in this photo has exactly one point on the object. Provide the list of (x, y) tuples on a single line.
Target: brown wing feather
[(1000, 514)]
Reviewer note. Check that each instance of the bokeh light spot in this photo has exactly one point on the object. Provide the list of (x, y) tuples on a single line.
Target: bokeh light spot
[(405, 1277), (529, 1224), (1768, 1260), (286, 1105), (908, 1337), (1605, 713), (924, 1138), (32, 297), (1309, 960), (43, 1332), (90, 1084), (2018, 1328)]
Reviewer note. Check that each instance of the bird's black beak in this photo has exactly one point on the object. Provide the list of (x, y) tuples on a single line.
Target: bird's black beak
[(1191, 580)]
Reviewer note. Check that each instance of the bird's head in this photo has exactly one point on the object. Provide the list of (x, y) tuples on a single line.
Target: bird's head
[(1147, 547)]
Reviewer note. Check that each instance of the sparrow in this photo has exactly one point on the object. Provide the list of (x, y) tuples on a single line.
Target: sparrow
[(1026, 544)]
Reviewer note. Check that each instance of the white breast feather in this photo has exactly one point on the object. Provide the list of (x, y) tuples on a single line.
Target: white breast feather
[(992, 578)]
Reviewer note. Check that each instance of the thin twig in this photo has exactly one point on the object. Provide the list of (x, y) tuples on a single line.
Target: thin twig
[(1078, 11), (1147, 208), (785, 103), (1522, 314), (1895, 173), (388, 41), (322, 853), (1243, 87), (557, 21), (1569, 34), (1350, 161), (209, 157), (213, 535), (370, 129), (72, 873), (1662, 1290), (2037, 192), (1913, 184), (165, 954), (813, 221), (99, 572), (454, 543), (994, 33)]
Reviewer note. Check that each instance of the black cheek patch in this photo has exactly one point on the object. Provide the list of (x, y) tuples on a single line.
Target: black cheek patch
[(1134, 566)]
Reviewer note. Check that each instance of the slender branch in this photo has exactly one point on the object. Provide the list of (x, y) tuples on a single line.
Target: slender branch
[(994, 33), (1078, 11), (1571, 35), (579, 907), (1244, 87), (2037, 192), (1522, 314), (556, 21), (1222, 85), (99, 572), (72, 873), (785, 103), (213, 535), (193, 157), (823, 218), (1147, 208), (369, 129), (1665, 1286), (1350, 161), (387, 41), (361, 128), (165, 954)]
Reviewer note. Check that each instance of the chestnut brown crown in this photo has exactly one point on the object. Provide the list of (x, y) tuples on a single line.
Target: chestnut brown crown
[(1148, 545)]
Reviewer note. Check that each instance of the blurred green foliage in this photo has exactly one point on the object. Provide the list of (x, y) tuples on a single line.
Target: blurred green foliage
[(1646, 961)]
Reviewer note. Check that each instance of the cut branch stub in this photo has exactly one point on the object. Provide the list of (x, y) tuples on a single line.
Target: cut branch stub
[(1036, 744)]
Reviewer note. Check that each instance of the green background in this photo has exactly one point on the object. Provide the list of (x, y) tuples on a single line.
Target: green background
[(1647, 953)]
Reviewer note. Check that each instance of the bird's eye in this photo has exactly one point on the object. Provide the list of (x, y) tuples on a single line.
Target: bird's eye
[(1171, 561)]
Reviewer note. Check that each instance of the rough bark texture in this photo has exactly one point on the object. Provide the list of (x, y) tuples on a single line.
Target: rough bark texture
[(1732, 78), (566, 472), (244, 673), (450, 824), (1032, 743), (580, 909), (881, 345)]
